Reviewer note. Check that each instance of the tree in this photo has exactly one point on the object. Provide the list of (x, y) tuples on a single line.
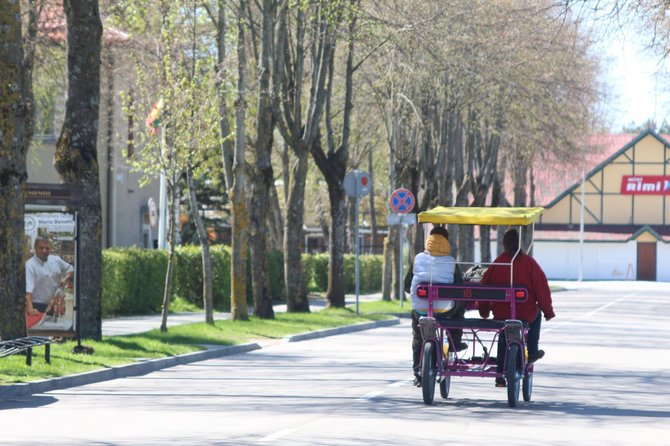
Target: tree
[(333, 163), (76, 152), (183, 122), (313, 32), (232, 154), (262, 181), (12, 173), (238, 194)]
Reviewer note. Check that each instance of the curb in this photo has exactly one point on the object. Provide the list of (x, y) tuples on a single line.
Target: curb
[(121, 371), (152, 365), (340, 330)]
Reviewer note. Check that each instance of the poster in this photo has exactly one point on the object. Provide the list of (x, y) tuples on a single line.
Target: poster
[(49, 255)]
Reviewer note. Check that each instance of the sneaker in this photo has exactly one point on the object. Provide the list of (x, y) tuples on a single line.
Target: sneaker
[(417, 380), (533, 358), (501, 382)]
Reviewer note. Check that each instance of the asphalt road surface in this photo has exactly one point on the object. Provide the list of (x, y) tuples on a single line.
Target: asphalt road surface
[(604, 381)]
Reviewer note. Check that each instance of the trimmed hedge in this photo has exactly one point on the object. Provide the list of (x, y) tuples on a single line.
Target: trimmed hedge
[(133, 279)]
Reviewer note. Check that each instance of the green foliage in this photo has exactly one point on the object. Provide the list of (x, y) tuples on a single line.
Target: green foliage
[(316, 272), (133, 280), (370, 273), (276, 274), (188, 275), (318, 266)]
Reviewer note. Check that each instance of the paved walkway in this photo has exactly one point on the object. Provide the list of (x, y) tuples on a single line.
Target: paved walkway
[(138, 324)]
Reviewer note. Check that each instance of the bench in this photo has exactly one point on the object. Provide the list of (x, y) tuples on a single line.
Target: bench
[(20, 345)]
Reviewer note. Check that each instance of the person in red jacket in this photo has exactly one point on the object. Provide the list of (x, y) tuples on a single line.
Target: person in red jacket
[(526, 273)]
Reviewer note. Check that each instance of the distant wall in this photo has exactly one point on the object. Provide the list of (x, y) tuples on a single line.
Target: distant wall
[(602, 260)]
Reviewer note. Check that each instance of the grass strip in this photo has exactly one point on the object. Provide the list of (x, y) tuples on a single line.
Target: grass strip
[(181, 339)]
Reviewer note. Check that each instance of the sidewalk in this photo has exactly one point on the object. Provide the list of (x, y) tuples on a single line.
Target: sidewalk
[(139, 324)]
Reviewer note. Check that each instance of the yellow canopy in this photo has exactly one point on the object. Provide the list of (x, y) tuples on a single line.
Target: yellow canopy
[(481, 215)]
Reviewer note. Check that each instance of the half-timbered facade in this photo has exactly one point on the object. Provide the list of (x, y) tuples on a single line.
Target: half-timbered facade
[(614, 225)]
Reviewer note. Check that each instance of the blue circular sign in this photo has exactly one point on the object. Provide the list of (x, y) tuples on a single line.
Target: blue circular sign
[(402, 201)]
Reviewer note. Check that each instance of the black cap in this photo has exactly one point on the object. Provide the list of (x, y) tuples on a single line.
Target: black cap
[(440, 230)]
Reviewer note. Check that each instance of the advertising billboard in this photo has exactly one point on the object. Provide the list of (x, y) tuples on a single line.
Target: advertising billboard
[(50, 261)]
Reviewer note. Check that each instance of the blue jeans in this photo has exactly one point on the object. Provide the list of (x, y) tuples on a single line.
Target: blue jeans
[(532, 342)]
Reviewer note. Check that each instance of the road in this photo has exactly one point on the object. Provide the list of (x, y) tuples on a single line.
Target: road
[(605, 380)]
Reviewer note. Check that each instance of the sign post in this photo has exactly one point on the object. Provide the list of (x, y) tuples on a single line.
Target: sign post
[(357, 185), (402, 202)]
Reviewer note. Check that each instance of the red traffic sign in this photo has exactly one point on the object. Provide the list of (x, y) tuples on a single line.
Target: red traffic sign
[(402, 201)]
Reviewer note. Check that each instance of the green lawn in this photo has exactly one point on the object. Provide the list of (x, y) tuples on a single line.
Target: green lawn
[(118, 350)]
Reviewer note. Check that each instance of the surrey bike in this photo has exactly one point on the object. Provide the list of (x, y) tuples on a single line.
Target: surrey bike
[(439, 359)]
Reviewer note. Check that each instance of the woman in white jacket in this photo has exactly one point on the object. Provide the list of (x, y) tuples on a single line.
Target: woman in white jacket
[(434, 265)]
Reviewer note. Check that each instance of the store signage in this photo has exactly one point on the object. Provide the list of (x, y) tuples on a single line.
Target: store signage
[(645, 185)]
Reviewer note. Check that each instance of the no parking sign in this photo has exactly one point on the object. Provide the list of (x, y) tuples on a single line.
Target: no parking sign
[(402, 201)]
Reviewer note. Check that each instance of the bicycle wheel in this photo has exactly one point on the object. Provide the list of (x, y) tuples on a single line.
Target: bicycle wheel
[(428, 373), (527, 388), (512, 375), (444, 387)]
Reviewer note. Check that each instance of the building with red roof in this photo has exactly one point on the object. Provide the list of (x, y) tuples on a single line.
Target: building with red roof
[(615, 225)]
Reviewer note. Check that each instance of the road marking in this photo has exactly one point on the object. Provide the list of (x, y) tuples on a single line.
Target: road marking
[(370, 395), (591, 313), (277, 435)]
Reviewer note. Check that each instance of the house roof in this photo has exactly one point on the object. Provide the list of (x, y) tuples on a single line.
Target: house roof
[(52, 25), (608, 147)]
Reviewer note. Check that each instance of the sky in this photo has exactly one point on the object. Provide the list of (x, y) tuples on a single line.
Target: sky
[(634, 77)]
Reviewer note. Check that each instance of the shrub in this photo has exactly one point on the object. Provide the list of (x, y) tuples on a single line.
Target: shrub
[(133, 279), (188, 275)]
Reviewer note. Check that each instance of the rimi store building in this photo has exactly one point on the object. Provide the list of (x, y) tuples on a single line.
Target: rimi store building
[(613, 225)]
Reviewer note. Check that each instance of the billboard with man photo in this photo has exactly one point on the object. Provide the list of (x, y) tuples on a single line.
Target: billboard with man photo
[(49, 253)]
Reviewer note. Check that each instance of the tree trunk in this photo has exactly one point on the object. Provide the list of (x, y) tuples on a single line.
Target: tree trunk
[(336, 286), (13, 145), (275, 222), (77, 155), (232, 155), (227, 149), (296, 296), (386, 269), (263, 175), (333, 165), (300, 135), (167, 292), (240, 220), (207, 273), (373, 214), (28, 64)]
